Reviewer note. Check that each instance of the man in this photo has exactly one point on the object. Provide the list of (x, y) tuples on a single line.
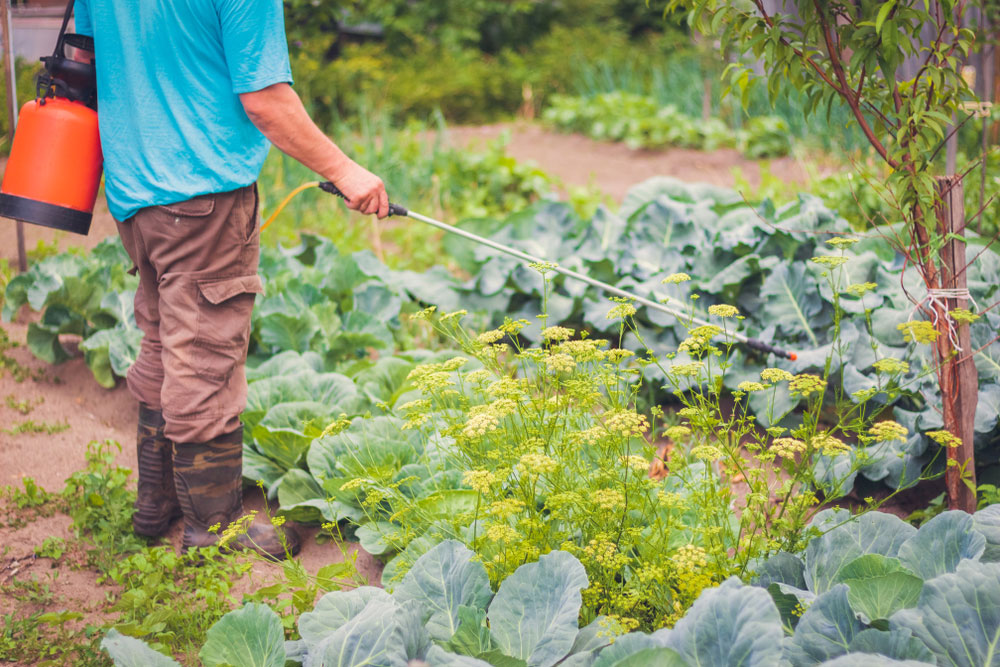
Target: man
[(189, 93)]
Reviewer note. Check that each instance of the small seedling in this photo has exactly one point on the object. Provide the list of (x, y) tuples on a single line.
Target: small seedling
[(31, 426)]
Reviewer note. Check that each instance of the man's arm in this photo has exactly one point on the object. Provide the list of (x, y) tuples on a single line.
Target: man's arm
[(278, 113)]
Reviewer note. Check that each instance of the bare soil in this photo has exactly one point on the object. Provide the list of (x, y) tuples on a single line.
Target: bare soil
[(68, 393)]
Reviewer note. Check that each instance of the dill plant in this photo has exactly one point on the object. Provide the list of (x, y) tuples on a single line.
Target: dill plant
[(531, 449)]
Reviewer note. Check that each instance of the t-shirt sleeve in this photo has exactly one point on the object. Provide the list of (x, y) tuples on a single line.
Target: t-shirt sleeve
[(253, 39), (82, 24)]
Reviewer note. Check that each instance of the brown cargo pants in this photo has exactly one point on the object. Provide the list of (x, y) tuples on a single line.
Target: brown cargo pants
[(197, 265)]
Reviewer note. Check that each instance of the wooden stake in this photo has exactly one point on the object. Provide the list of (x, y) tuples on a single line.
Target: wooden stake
[(10, 77), (958, 376)]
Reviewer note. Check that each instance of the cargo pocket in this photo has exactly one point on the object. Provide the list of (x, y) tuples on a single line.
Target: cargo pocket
[(181, 217), (224, 309)]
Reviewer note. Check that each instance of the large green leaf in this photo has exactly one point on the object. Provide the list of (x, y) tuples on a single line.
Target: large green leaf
[(870, 660), (987, 522), (376, 447), (898, 643), (334, 610), (301, 499), (941, 544), (846, 539), (958, 617), (438, 657), (825, 631), (249, 637), (626, 648), (879, 586), (373, 637), (444, 579), (131, 652), (782, 567), (793, 301), (534, 614), (733, 624)]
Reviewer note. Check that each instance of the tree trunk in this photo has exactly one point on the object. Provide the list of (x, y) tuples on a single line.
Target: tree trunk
[(957, 375)]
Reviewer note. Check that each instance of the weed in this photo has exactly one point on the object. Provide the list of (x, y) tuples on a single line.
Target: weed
[(51, 547), (100, 504), (171, 600), (48, 639), (24, 406), (31, 426), (294, 590), (23, 506), (43, 249), (9, 363)]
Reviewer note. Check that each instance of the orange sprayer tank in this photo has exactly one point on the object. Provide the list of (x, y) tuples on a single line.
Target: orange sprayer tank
[(55, 163)]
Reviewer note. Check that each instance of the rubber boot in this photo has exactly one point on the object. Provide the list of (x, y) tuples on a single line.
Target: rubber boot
[(209, 481), (156, 503)]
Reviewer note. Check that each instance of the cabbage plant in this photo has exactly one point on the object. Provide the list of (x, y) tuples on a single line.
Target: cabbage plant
[(932, 601)]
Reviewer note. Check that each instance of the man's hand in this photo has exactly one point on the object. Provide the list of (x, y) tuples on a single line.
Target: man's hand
[(278, 113), (363, 190)]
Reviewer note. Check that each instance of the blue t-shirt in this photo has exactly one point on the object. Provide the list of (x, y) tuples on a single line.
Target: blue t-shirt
[(169, 73)]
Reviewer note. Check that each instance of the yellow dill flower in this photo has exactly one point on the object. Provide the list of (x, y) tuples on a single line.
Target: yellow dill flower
[(456, 315), (841, 242), (560, 363), (707, 452), (424, 314), (691, 369), (556, 333), (831, 261), (621, 311), (787, 447), (539, 463), (354, 484), (676, 278), (479, 480), (626, 422), (690, 557), (501, 532), (963, 315), (543, 267), (634, 462), (480, 424), (806, 384), (677, 432), (920, 331), (608, 499), (723, 310), (454, 363), (829, 445), (773, 375), (513, 327), (888, 430), (751, 386), (505, 508), (860, 289), (889, 365), (488, 337), (945, 438), (618, 354)]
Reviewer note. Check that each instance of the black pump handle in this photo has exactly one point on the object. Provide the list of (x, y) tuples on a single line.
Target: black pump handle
[(328, 186)]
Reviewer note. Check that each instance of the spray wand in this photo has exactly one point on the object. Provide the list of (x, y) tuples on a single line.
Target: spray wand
[(397, 210)]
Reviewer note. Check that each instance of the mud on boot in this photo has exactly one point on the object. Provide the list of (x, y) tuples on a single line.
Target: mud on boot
[(209, 481), (156, 504)]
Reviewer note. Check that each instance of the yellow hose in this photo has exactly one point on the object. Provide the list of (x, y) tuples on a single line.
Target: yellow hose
[(284, 202)]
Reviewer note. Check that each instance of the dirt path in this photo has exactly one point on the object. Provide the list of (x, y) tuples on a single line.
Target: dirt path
[(614, 167)]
